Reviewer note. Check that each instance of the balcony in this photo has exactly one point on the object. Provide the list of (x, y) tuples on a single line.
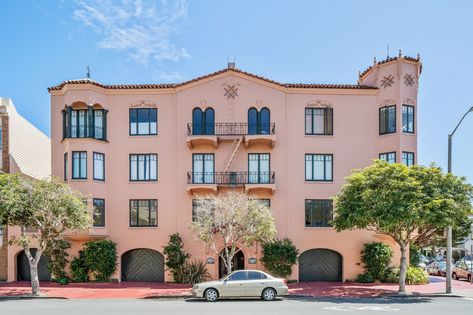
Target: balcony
[(210, 181), (86, 235), (211, 134)]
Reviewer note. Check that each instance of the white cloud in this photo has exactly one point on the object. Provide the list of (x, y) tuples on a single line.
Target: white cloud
[(143, 29)]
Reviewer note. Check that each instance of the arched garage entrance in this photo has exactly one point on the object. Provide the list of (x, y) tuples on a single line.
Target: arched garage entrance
[(238, 263), (320, 265), (144, 265), (23, 267)]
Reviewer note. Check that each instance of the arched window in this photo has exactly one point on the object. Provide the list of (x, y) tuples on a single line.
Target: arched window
[(264, 121), (197, 121), (252, 121), (209, 121), (259, 122)]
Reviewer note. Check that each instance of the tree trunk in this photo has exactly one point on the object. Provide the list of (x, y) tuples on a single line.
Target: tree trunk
[(402, 270), (35, 290)]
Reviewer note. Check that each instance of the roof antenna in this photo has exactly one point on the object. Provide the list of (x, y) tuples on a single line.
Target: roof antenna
[(387, 51), (88, 72)]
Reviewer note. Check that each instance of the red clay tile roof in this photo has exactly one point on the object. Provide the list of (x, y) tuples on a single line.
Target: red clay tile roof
[(389, 60), (174, 85)]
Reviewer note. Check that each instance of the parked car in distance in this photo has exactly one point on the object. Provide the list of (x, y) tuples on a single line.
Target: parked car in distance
[(438, 268), (461, 270), (242, 283)]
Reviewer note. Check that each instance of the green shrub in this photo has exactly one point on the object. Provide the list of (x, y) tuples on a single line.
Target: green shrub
[(376, 258), (194, 272), (101, 258), (279, 256), (79, 269), (414, 275), (63, 281), (390, 275), (176, 257), (365, 278), (56, 250)]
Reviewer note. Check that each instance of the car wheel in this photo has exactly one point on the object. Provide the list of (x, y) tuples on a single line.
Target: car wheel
[(211, 295), (439, 273), (454, 276), (269, 294)]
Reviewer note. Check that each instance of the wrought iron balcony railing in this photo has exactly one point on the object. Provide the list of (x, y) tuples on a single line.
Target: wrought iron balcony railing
[(231, 178), (230, 129)]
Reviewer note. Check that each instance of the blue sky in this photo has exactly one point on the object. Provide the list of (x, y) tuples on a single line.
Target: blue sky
[(46, 42)]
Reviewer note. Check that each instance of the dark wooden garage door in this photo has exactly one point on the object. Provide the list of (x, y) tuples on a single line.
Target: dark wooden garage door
[(320, 265), (143, 265), (23, 267)]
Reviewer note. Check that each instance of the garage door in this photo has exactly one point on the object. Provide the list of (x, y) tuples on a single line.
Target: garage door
[(23, 267), (320, 265), (143, 265)]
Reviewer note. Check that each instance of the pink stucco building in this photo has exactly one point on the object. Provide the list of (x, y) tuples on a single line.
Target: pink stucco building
[(143, 151)]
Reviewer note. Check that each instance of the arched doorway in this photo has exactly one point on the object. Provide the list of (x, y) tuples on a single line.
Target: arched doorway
[(143, 265), (238, 263), (320, 265), (23, 267)]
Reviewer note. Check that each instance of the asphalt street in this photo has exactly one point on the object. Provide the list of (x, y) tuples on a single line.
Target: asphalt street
[(394, 305)]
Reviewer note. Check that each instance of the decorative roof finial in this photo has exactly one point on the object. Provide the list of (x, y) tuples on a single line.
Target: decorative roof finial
[(418, 56), (400, 53), (374, 60), (387, 52), (88, 73)]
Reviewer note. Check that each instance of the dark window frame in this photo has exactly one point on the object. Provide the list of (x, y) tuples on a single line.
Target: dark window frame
[(259, 127), (86, 166), (409, 153), (203, 126), (146, 155), (89, 127), (313, 168), (103, 213), (203, 167), (387, 156), (328, 125), (408, 121), (65, 166), (93, 166), (138, 213), (324, 224), (137, 122), (386, 119), (259, 168)]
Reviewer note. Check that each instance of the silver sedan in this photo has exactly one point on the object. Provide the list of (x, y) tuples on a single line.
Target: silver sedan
[(242, 283)]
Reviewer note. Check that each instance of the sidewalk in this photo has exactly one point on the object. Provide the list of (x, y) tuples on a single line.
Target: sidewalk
[(139, 290)]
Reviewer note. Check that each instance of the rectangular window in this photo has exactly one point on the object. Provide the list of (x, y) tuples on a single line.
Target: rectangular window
[(79, 165), (143, 212), (407, 118), (408, 158), (318, 212), (65, 166), (258, 168), (99, 166), (319, 167), (203, 168), (389, 157), (143, 121), (98, 124), (99, 212), (143, 167), (266, 202), (319, 121), (84, 123), (387, 119)]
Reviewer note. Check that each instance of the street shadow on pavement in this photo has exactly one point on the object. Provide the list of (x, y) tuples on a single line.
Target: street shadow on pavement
[(364, 300), (223, 300)]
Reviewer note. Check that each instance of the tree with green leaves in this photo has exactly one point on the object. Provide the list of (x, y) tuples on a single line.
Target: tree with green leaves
[(406, 203), (231, 220), (48, 206)]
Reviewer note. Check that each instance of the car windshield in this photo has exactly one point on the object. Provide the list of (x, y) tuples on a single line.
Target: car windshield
[(442, 264)]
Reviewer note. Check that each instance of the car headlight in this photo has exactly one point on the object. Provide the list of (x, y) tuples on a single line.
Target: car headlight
[(195, 287)]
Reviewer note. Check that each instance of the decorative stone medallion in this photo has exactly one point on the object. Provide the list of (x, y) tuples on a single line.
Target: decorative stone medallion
[(231, 91)]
